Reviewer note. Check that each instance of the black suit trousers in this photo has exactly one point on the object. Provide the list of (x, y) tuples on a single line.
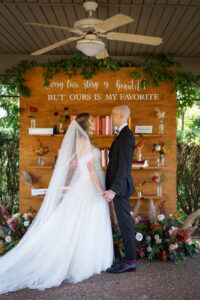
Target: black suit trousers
[(122, 210)]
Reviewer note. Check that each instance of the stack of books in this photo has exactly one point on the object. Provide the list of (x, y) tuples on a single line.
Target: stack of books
[(140, 164), (103, 125)]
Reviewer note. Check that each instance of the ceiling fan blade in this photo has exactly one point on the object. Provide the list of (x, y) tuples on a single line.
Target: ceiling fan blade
[(102, 54), (53, 46), (113, 22), (134, 38), (57, 27)]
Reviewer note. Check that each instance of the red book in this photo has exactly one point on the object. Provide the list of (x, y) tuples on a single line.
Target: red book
[(98, 125), (103, 125)]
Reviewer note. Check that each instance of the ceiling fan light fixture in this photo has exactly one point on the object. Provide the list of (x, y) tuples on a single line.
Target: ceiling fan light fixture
[(90, 47)]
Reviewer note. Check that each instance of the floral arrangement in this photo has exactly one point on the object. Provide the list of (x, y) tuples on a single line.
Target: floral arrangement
[(41, 150), (32, 109), (14, 229), (160, 114), (164, 239), (158, 178), (162, 148), (62, 118), (139, 147), (139, 186)]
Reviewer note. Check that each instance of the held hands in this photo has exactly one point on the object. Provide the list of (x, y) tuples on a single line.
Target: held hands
[(109, 195)]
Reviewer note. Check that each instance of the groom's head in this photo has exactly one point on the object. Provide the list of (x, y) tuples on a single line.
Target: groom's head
[(120, 115)]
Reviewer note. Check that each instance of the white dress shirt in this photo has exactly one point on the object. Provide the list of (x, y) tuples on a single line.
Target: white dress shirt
[(121, 127)]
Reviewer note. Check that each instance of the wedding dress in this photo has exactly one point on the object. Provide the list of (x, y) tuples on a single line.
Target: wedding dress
[(71, 238)]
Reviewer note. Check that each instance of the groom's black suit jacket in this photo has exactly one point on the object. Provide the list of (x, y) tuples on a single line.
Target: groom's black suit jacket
[(118, 176)]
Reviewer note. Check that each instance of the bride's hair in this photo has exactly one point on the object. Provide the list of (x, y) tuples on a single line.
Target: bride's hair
[(83, 121)]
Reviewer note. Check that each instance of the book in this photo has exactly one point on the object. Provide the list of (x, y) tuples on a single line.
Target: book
[(140, 164), (40, 131)]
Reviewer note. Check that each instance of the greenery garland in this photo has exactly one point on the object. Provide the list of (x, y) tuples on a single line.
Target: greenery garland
[(152, 71)]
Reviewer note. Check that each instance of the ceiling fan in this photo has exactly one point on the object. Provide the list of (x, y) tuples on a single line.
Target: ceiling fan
[(91, 30)]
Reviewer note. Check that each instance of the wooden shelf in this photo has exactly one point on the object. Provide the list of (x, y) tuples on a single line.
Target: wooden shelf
[(103, 135), (41, 167), (104, 168), (149, 168), (134, 197)]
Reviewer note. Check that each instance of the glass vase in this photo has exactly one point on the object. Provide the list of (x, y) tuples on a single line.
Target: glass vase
[(61, 129), (139, 194), (32, 123), (139, 156), (161, 161), (40, 161), (161, 127), (159, 190)]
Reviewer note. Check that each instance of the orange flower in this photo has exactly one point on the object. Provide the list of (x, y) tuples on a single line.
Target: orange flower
[(176, 214)]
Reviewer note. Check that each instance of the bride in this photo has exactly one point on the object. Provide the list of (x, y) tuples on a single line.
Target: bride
[(70, 239)]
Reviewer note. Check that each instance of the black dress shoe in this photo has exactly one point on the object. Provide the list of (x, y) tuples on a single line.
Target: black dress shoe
[(122, 267)]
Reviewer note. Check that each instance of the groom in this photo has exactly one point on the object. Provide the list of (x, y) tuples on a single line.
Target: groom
[(119, 185)]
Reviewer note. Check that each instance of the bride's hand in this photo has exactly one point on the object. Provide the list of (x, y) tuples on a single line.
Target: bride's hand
[(64, 191)]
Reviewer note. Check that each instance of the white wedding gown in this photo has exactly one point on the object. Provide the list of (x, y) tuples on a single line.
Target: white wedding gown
[(72, 245)]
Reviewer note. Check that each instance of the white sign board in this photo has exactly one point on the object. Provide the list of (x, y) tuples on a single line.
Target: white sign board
[(143, 129)]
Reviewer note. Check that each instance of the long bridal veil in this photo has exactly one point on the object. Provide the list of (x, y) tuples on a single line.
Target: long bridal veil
[(17, 265), (75, 146)]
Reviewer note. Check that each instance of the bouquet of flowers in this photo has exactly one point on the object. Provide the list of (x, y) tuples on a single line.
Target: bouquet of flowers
[(15, 228), (160, 114), (162, 148), (41, 150), (139, 147), (166, 239), (158, 178), (62, 118)]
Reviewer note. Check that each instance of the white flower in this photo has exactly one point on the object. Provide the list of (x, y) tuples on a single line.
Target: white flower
[(137, 220), (26, 223), (148, 238), (132, 213), (197, 243), (173, 247), (8, 239), (149, 249), (139, 236), (170, 215), (156, 237), (172, 229), (158, 241), (188, 242), (161, 217), (26, 216), (158, 148)]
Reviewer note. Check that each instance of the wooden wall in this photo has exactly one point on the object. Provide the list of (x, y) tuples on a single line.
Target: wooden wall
[(102, 95)]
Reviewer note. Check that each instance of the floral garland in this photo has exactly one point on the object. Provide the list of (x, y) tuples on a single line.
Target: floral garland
[(152, 71)]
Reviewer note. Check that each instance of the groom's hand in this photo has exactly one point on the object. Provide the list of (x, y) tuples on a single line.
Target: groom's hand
[(109, 195)]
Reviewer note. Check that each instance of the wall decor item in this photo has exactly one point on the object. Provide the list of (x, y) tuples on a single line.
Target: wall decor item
[(143, 129), (41, 151), (160, 116), (138, 148), (98, 96), (40, 131), (163, 149)]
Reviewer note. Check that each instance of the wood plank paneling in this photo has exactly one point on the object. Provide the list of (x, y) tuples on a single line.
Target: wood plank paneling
[(142, 112)]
